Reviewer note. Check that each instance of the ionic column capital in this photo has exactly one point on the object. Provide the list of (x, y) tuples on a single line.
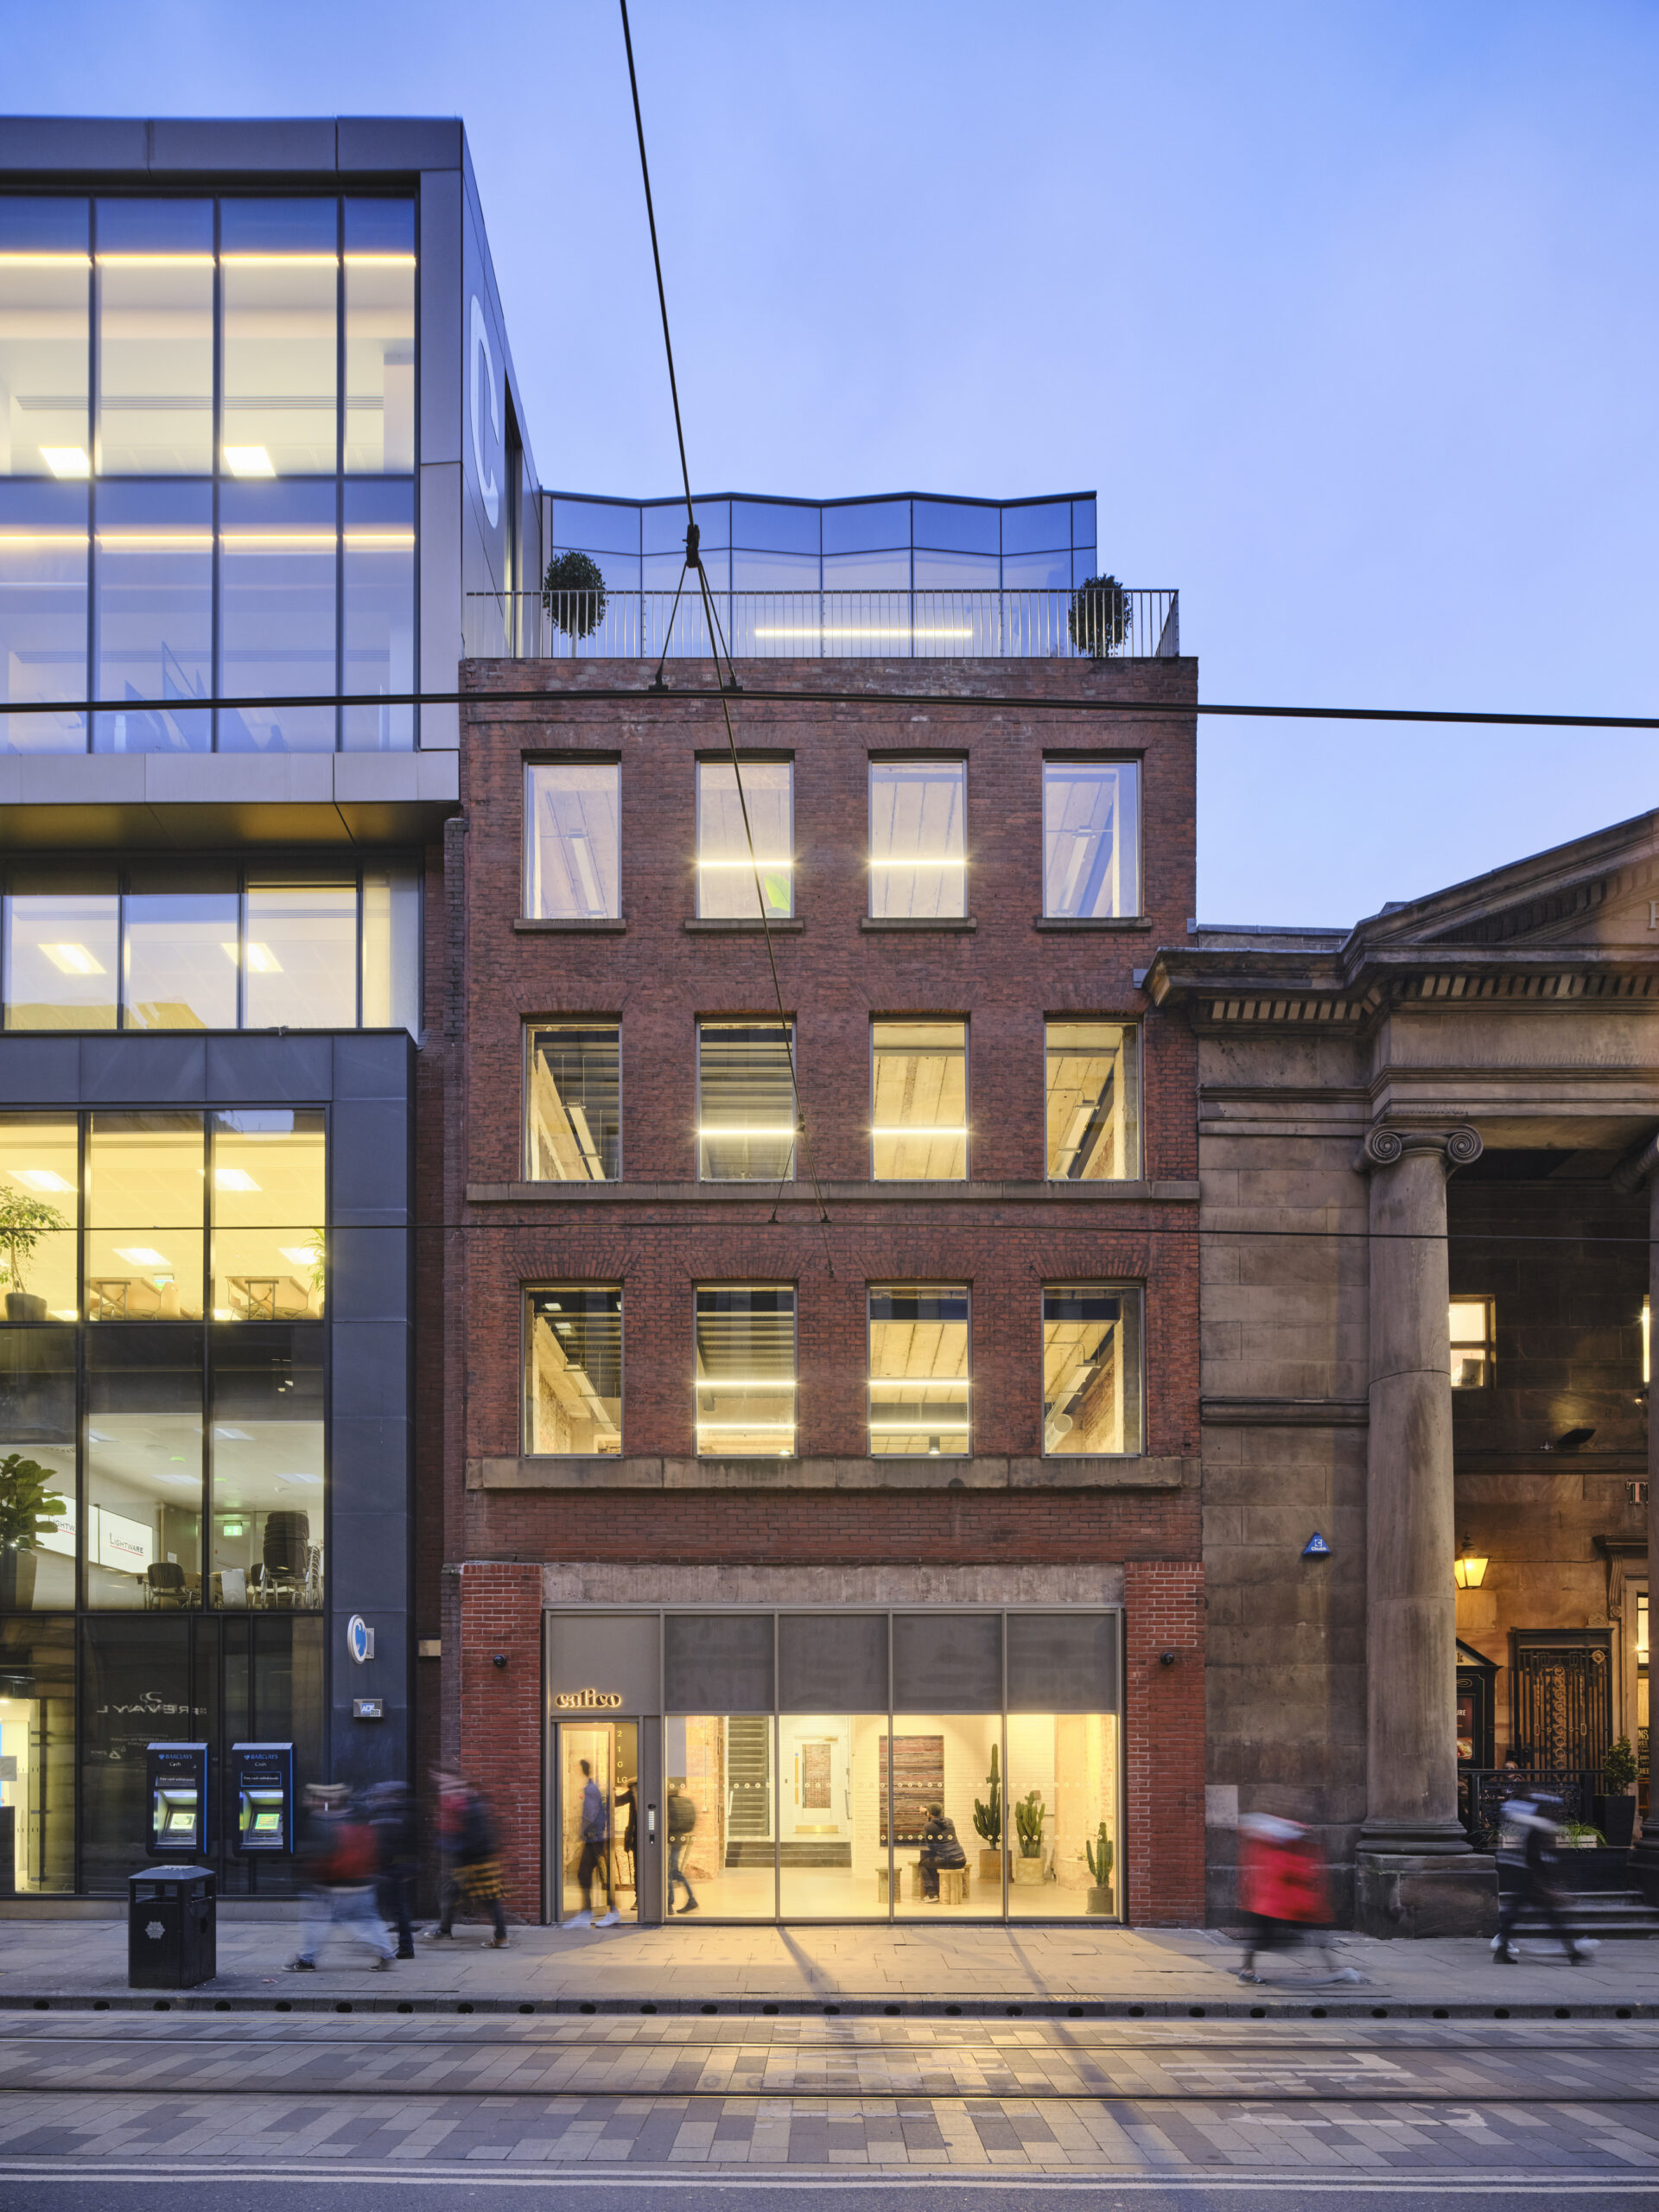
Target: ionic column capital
[(1385, 1145)]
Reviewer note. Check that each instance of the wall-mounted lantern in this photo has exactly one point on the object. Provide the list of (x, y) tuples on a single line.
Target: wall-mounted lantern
[(1469, 1568)]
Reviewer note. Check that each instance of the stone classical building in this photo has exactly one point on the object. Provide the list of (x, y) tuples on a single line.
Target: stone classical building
[(1426, 1152)]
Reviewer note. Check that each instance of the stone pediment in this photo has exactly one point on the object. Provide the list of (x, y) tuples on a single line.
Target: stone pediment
[(1600, 891)]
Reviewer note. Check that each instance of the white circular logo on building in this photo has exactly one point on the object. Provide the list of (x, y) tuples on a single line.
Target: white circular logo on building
[(480, 343), (359, 1638)]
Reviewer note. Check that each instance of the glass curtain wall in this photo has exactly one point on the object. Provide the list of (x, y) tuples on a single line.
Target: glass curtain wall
[(274, 558), (199, 947)]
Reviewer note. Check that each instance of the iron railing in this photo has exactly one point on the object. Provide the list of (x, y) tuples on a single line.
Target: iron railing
[(1483, 1791), (824, 626)]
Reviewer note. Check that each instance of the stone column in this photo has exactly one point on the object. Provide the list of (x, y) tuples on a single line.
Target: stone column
[(1416, 1872), (1630, 1176)]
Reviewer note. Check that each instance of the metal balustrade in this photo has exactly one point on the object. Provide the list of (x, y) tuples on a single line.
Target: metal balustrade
[(1128, 625)]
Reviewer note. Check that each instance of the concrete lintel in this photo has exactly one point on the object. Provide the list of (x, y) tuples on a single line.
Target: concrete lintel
[(1285, 1413)]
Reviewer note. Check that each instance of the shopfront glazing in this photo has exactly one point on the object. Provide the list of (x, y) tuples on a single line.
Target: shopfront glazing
[(806, 1764)]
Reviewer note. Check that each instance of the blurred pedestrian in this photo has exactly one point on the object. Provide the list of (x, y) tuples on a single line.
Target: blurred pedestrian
[(390, 1806), (1535, 1824), (628, 1800), (338, 1855), (594, 1821), (1283, 1887), (681, 1824), (471, 1859)]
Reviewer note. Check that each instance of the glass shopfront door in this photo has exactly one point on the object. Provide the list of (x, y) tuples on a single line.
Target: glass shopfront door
[(622, 1870)]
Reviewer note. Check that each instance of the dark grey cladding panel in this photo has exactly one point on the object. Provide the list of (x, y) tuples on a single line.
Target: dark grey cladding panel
[(370, 1167), (368, 1574), (85, 143), (261, 147), (128, 1069), (371, 1369), (378, 1064), (369, 1462), (398, 142), (260, 1070), (38, 1070), (368, 1274)]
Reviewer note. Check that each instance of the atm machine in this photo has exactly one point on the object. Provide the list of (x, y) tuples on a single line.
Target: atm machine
[(263, 1775), (177, 1798)]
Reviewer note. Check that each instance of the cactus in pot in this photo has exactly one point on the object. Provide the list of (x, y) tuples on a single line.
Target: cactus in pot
[(1029, 1814), (1100, 1857), (987, 1821)]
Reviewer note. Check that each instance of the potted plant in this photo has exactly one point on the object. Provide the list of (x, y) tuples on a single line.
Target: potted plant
[(574, 594), (1029, 1814), (1100, 1855), (28, 1508), (988, 1821), (24, 1222), (1616, 1811), (1101, 618)]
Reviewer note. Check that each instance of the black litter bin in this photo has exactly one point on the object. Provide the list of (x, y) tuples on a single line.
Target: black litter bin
[(172, 1928)]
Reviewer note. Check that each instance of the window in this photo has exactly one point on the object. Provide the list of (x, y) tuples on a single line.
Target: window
[(918, 1371), (746, 1102), (745, 1371), (1091, 839), (40, 1178), (918, 1086), (269, 1205), (573, 1119), (155, 615), (280, 946), (1092, 1369), (44, 271), (146, 1207), (1473, 1331), (573, 840), (380, 337), (37, 1746), (573, 1369), (378, 615), (918, 839), (63, 959), (1092, 1106), (37, 1418), (266, 1525), (142, 1547), (726, 873), (279, 261), (43, 552), (277, 614), (155, 338)]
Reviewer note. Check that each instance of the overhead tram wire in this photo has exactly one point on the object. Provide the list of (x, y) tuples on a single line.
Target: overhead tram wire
[(976, 702), (716, 642)]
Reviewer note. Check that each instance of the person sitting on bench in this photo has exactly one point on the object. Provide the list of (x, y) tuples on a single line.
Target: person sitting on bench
[(940, 1847)]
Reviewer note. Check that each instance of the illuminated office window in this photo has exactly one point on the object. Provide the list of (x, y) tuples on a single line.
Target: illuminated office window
[(573, 1119), (63, 949), (380, 337), (1091, 839), (572, 840), (45, 283), (179, 952), (919, 1370), (573, 1368), (266, 1521), (745, 1387), (155, 337), (40, 1181), (300, 971), (140, 1545), (1091, 1101), (44, 570), (1473, 1323), (146, 1203), (746, 1102), (154, 618), (378, 615), (726, 870), (279, 261), (918, 839), (1092, 1369), (268, 1189), (919, 1088)]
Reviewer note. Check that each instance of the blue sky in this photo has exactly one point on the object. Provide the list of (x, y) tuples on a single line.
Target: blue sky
[(1349, 314)]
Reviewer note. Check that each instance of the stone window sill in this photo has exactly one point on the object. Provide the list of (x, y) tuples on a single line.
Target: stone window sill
[(781, 927), (1088, 923), (882, 925), (606, 927)]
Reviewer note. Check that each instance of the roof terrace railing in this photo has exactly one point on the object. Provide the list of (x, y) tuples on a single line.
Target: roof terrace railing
[(1119, 624)]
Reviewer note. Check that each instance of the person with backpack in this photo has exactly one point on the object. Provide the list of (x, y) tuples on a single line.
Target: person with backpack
[(682, 1822), (594, 1821), (1535, 1823), (391, 1814), (473, 1866), (340, 1856)]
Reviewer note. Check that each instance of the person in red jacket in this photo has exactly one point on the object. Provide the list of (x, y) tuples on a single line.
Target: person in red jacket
[(1282, 1887)]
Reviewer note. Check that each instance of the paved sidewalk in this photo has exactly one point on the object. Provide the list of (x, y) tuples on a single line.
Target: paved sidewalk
[(676, 1967)]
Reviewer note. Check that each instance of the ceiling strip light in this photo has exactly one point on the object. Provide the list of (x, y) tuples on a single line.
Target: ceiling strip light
[(46, 260)]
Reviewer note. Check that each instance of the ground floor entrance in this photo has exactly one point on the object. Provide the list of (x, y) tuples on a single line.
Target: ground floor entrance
[(819, 1765)]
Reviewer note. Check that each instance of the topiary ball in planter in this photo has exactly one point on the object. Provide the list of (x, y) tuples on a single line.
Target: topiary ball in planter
[(573, 594)]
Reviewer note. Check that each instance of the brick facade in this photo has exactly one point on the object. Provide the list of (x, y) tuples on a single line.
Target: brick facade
[(659, 1233)]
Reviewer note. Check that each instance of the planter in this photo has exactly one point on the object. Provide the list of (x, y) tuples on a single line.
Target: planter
[(1616, 1818), (25, 1305), (990, 1867), (1028, 1870), (1100, 1901), (17, 1580)]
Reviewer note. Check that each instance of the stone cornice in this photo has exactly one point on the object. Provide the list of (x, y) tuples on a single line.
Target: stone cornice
[(1226, 987)]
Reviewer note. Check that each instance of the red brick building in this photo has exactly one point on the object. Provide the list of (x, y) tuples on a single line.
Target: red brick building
[(815, 1435)]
